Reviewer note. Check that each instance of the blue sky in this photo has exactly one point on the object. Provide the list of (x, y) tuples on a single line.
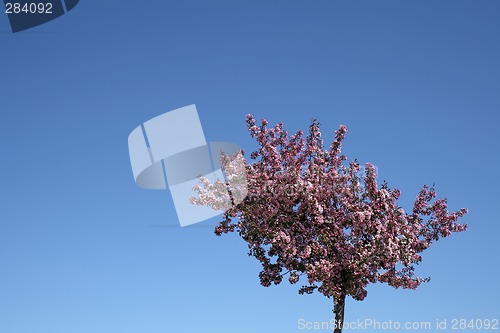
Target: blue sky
[(416, 82)]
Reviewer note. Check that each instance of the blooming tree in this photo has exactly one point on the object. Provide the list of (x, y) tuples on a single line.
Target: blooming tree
[(311, 214)]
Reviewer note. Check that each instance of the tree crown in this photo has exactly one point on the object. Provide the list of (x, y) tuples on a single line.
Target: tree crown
[(310, 213)]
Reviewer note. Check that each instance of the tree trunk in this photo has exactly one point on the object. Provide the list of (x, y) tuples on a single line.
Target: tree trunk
[(338, 310)]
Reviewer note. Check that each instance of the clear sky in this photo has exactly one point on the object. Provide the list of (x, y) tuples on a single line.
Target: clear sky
[(84, 250)]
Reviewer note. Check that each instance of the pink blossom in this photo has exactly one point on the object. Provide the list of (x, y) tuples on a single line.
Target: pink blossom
[(308, 213)]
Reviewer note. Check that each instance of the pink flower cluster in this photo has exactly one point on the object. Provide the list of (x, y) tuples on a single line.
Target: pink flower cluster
[(308, 213)]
